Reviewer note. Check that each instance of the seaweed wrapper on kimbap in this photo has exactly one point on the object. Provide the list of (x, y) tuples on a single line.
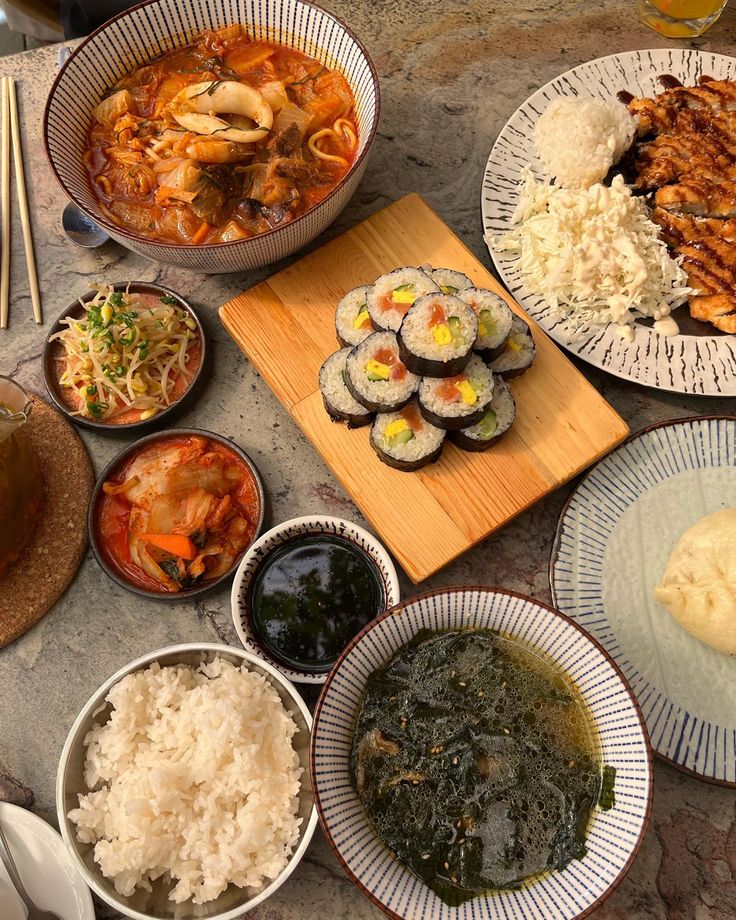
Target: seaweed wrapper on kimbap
[(393, 294), (496, 420), (494, 320), (405, 440), (376, 376), (437, 335), (460, 401), (518, 353), (339, 402), (352, 323)]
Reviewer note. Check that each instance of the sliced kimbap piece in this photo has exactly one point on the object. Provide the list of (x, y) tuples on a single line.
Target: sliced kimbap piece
[(352, 322), (376, 376), (450, 281), (339, 402), (456, 402), (518, 352), (494, 320), (437, 335), (394, 293), (496, 421), (406, 441)]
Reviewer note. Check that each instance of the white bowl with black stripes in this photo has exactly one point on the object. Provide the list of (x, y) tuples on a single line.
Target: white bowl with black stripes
[(613, 836), (155, 27)]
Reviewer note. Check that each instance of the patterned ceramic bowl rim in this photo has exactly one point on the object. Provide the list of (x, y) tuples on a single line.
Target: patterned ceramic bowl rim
[(686, 420), (96, 703), (121, 231), (316, 523), (458, 589), (121, 457), (52, 383)]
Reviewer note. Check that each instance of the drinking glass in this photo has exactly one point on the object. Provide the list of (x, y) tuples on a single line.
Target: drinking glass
[(680, 18)]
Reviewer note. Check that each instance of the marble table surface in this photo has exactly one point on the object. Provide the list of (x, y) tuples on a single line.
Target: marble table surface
[(452, 71)]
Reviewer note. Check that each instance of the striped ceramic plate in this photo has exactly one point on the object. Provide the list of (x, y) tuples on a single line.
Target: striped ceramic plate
[(157, 26), (700, 361), (613, 836), (613, 541)]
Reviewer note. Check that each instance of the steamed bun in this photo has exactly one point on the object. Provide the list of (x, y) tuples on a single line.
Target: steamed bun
[(699, 583)]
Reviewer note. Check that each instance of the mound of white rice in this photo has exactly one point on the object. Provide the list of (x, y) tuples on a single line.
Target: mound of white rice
[(579, 139), (195, 778)]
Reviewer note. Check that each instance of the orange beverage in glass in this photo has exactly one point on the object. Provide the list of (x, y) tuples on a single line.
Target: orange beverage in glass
[(680, 18)]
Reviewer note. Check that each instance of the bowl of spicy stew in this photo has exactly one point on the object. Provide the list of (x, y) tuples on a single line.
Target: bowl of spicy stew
[(212, 140), (172, 514)]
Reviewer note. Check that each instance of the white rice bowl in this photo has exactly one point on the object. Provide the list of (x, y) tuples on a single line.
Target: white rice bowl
[(193, 777)]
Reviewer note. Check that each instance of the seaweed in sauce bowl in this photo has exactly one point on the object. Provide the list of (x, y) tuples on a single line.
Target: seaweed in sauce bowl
[(476, 761)]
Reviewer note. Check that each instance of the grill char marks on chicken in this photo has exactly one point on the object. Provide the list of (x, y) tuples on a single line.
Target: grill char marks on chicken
[(687, 156)]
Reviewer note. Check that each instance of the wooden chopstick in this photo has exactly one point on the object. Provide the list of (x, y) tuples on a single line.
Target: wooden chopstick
[(5, 204), (25, 219)]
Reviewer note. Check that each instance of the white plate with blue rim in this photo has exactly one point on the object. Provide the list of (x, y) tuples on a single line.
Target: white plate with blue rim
[(613, 837), (613, 541)]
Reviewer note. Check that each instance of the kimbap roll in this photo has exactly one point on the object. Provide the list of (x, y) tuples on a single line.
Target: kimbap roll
[(518, 352), (352, 322), (449, 281), (376, 376), (437, 335), (494, 320), (393, 294), (497, 420), (338, 400), (405, 441), (457, 402)]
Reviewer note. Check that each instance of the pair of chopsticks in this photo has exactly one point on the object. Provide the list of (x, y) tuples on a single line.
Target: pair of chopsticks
[(10, 128)]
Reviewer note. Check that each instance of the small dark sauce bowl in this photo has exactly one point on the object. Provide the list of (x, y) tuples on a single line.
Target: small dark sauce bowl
[(119, 460), (291, 532), (53, 351)]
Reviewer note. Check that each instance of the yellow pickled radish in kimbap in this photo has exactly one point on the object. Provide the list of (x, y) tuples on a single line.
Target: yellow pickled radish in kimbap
[(437, 335), (456, 402), (339, 403), (518, 353), (352, 322), (392, 295), (496, 420), (404, 440), (494, 320), (376, 376)]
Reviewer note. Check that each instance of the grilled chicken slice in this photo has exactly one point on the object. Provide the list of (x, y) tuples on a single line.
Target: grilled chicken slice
[(684, 228), (718, 309), (660, 114), (699, 195), (710, 264)]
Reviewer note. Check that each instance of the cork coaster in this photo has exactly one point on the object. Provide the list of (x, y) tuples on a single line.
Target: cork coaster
[(37, 580)]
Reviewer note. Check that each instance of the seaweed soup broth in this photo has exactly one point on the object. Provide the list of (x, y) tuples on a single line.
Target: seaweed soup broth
[(477, 762)]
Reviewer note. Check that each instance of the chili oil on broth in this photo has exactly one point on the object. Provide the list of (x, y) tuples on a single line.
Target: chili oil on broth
[(163, 181), (477, 762)]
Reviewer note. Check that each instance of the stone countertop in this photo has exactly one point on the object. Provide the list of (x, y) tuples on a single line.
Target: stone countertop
[(451, 71)]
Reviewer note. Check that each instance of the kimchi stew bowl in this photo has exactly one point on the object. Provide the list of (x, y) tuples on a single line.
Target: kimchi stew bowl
[(218, 137)]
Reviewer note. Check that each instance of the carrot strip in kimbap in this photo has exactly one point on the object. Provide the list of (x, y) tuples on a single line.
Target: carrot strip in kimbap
[(518, 353), (449, 281), (394, 293), (404, 440), (494, 320), (496, 420), (352, 322), (339, 402), (437, 335), (460, 401), (376, 376)]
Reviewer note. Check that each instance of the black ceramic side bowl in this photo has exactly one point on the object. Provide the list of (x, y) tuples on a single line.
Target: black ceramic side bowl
[(119, 460), (52, 352)]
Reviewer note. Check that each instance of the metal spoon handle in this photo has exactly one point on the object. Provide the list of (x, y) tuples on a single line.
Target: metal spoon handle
[(7, 860)]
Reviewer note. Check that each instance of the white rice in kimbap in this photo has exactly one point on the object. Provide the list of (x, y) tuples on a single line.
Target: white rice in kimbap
[(352, 322), (376, 376), (437, 335), (339, 402), (449, 281), (518, 352), (456, 402), (393, 294), (494, 320), (496, 421), (406, 441)]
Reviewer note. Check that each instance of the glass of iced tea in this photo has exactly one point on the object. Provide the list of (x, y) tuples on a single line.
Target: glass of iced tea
[(680, 18)]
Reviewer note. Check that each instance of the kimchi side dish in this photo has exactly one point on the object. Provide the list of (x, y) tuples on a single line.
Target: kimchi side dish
[(221, 140)]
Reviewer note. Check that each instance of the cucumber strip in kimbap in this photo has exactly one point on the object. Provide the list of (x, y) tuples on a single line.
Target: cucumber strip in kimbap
[(449, 281), (437, 335), (494, 320), (393, 294), (497, 420), (339, 402), (518, 352), (456, 402), (352, 322), (376, 376), (404, 440)]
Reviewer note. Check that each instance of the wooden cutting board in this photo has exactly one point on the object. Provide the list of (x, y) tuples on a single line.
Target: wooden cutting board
[(285, 326)]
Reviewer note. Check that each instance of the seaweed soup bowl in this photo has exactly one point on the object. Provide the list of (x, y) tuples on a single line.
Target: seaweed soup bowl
[(154, 27), (613, 836)]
